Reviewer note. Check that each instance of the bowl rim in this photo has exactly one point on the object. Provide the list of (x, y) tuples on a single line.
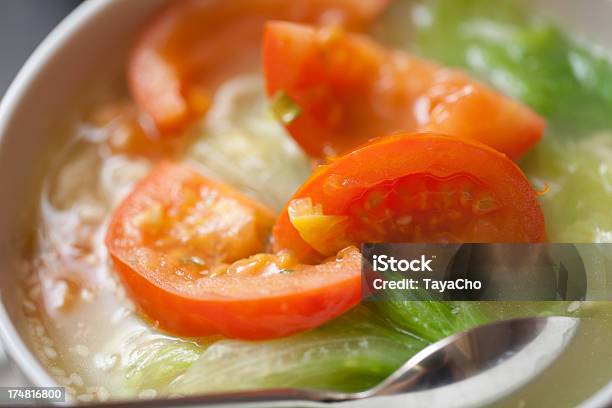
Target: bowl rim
[(34, 66)]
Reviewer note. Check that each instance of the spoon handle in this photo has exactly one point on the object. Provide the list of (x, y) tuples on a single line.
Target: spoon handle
[(267, 395)]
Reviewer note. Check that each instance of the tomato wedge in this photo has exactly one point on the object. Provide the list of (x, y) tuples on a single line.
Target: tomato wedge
[(349, 89), (192, 45), (178, 243), (411, 188)]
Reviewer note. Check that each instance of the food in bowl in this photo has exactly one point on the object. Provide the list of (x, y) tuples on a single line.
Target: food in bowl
[(200, 232)]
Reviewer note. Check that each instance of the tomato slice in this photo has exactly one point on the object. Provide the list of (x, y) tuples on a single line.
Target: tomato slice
[(192, 45), (350, 89), (411, 188), (178, 243), (121, 122)]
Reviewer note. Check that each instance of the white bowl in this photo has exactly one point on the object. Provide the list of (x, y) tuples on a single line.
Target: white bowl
[(87, 46), (83, 52)]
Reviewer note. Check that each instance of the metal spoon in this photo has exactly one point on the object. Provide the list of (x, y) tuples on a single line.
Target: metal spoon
[(447, 361)]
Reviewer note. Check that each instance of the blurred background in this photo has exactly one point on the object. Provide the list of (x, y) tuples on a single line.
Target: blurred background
[(23, 25)]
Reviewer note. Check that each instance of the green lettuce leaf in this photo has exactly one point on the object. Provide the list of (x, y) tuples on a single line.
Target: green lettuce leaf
[(354, 352), (523, 55)]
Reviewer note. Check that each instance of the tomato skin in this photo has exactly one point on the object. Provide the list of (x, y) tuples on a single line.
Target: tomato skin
[(337, 186), (182, 54), (151, 242), (351, 89), (332, 292)]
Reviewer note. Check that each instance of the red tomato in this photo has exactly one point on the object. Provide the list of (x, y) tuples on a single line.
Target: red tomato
[(178, 243), (192, 45), (120, 121), (411, 188), (350, 89)]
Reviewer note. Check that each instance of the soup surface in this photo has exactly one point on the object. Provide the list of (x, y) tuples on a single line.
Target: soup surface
[(87, 331)]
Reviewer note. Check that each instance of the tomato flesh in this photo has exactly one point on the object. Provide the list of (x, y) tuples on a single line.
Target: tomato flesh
[(183, 246), (192, 45), (180, 214), (425, 208), (351, 89), (413, 188)]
